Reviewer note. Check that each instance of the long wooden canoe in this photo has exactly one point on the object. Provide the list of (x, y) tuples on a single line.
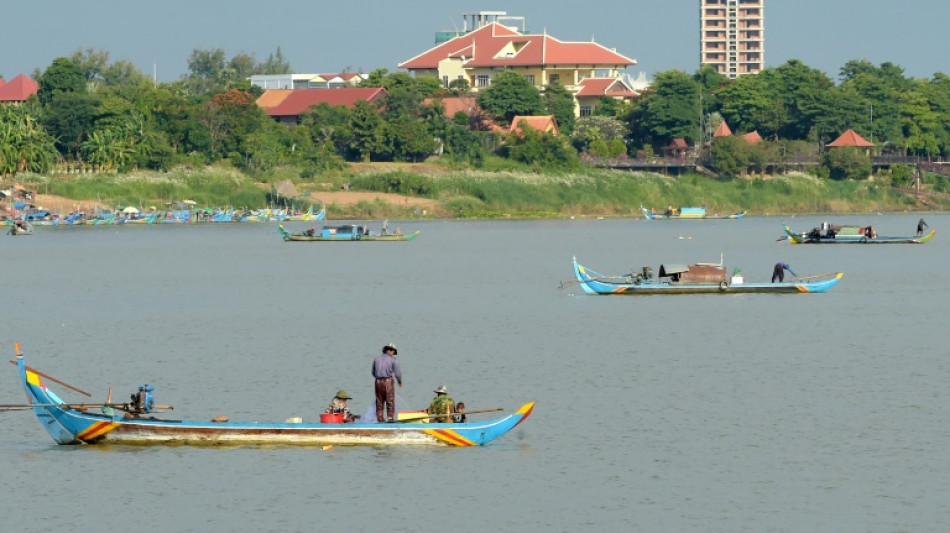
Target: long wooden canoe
[(701, 278), (77, 424), (688, 213), (852, 235), (343, 233)]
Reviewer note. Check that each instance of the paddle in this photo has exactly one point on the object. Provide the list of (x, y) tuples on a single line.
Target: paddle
[(444, 415), (77, 406)]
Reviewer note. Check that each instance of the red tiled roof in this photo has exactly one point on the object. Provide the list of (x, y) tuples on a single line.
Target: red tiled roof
[(489, 46), (850, 138), (542, 123), (454, 104), (300, 100), (18, 89), (678, 143), (752, 137), (723, 130), (604, 87)]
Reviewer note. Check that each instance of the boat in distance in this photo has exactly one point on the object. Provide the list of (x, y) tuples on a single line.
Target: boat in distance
[(699, 278), (135, 424), (344, 233), (688, 213), (833, 234)]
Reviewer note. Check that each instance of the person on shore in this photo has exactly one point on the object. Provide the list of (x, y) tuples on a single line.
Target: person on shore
[(338, 406), (386, 369), (442, 407), (920, 227), (778, 273)]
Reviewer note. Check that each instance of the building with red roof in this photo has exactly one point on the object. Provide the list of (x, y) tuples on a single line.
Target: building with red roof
[(850, 138), (286, 105), (723, 130), (542, 123), (17, 90), (478, 55)]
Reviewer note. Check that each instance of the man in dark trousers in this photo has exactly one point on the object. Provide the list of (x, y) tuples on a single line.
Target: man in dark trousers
[(778, 273), (385, 370), (920, 227)]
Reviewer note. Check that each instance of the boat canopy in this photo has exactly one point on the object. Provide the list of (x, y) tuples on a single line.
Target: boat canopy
[(700, 273)]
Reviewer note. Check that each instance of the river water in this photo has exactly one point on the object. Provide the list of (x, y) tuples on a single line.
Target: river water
[(703, 413)]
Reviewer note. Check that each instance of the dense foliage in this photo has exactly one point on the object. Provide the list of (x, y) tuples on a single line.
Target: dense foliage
[(94, 114)]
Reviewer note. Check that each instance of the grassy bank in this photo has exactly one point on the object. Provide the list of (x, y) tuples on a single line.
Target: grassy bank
[(590, 192)]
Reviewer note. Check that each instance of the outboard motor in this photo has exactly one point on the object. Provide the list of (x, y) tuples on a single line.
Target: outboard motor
[(142, 401)]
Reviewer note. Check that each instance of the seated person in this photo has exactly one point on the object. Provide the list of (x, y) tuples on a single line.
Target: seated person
[(441, 406), (460, 417), (338, 405), (310, 232)]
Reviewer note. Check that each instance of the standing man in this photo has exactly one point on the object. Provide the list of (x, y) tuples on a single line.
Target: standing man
[(385, 370), (920, 227), (778, 273)]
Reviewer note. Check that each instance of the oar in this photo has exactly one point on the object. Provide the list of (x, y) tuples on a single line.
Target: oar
[(51, 378), (77, 406), (444, 415)]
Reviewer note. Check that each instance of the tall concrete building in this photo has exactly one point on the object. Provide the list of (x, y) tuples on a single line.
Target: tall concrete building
[(732, 36)]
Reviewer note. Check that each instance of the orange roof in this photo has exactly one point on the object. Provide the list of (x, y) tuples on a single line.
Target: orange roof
[(542, 123), (454, 104), (299, 100), (273, 97), (495, 45), (753, 137), (678, 143), (605, 87), (850, 138), (723, 130), (18, 89)]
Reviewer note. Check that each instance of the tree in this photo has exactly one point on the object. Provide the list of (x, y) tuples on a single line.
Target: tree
[(560, 102), (70, 117), (729, 155), (669, 109), (598, 128), (846, 163), (510, 94), (366, 126), (62, 76), (276, 63)]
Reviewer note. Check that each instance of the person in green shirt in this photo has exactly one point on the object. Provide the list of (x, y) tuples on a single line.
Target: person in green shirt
[(442, 406)]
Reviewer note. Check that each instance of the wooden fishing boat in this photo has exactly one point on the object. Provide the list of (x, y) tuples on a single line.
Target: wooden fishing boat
[(833, 234), (699, 278), (345, 232), (20, 228), (688, 213), (136, 424)]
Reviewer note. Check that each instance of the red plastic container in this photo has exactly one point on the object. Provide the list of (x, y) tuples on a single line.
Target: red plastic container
[(331, 418)]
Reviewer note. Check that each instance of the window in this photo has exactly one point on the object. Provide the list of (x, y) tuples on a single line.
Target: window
[(530, 78), (554, 78), (445, 82), (586, 110), (481, 80)]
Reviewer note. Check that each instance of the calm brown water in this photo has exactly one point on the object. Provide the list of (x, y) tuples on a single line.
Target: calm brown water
[(694, 413)]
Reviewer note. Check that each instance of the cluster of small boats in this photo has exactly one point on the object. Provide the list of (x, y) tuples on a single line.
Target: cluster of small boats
[(174, 216)]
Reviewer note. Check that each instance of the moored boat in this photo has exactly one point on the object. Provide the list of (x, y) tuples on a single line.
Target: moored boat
[(687, 213), (699, 278), (834, 234), (137, 424), (344, 232)]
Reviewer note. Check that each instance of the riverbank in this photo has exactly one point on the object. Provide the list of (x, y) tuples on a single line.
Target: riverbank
[(388, 190)]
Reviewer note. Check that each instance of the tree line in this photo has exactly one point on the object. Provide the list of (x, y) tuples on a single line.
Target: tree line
[(108, 116)]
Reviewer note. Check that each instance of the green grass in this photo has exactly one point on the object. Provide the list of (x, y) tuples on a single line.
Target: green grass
[(508, 193)]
